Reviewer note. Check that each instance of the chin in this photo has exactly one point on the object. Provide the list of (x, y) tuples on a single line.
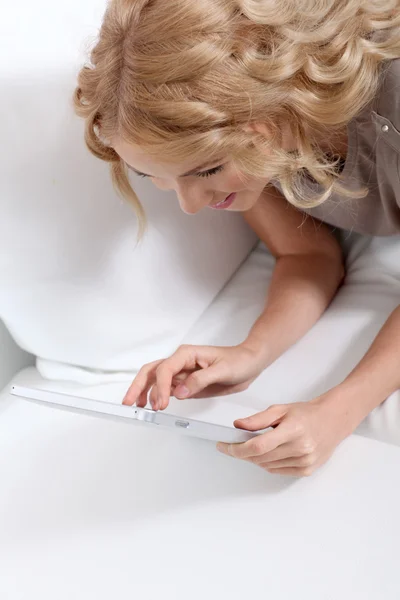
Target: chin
[(244, 205), (238, 209)]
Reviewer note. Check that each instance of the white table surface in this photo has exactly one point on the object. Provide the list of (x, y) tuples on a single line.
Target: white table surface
[(91, 509)]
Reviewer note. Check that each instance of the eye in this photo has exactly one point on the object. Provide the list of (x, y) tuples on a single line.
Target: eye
[(210, 172)]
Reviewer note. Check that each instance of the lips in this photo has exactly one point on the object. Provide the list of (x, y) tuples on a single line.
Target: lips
[(229, 200)]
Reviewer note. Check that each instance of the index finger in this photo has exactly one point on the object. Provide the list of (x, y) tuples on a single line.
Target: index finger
[(259, 445), (141, 384)]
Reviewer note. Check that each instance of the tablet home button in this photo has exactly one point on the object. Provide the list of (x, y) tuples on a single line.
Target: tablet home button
[(183, 424)]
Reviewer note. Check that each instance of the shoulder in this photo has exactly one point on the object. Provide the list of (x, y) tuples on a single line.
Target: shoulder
[(285, 230), (388, 98)]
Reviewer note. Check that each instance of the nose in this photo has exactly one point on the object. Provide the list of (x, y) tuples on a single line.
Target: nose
[(192, 198)]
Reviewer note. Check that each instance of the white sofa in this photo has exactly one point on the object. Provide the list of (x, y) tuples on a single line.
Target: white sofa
[(92, 509), (91, 306)]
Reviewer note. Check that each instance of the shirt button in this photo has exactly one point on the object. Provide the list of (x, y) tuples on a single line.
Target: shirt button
[(385, 128)]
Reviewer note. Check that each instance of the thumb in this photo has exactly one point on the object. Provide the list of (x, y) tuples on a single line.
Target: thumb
[(267, 418), (199, 380)]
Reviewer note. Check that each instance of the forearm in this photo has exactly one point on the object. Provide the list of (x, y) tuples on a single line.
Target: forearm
[(301, 289), (376, 377)]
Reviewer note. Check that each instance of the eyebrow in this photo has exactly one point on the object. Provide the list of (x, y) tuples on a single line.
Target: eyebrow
[(188, 174)]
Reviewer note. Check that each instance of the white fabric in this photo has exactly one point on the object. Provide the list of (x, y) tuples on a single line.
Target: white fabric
[(319, 361), (93, 510), (75, 290), (12, 358)]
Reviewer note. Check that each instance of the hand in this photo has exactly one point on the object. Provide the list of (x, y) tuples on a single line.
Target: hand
[(305, 435), (195, 372)]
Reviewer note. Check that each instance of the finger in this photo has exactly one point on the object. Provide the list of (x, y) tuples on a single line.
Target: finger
[(300, 462), (153, 395), (264, 419), (201, 380), (164, 404), (292, 472), (180, 377), (259, 445), (184, 359), (142, 383), (219, 389), (141, 402), (283, 452)]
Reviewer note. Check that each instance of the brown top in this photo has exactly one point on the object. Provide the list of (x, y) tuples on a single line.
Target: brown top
[(373, 160)]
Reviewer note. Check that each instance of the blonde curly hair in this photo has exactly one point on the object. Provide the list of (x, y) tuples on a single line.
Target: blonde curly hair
[(182, 78)]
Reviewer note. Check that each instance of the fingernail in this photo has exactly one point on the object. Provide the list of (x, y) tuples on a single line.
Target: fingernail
[(182, 391)]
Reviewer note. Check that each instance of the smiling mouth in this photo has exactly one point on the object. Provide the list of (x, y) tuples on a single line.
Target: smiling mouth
[(225, 203)]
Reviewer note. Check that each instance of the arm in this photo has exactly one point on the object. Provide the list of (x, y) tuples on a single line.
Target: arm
[(306, 434), (308, 272), (376, 377)]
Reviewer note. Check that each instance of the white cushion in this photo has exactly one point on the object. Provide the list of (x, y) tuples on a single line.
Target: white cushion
[(75, 290), (12, 358)]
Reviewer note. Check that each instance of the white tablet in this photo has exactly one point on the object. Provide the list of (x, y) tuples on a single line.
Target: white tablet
[(132, 414)]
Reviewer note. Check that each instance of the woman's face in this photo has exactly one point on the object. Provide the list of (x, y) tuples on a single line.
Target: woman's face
[(216, 185)]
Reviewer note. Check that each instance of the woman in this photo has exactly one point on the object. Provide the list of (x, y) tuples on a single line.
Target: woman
[(277, 109)]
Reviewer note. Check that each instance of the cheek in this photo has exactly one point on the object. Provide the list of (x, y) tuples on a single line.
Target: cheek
[(236, 182), (233, 182), (252, 184)]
